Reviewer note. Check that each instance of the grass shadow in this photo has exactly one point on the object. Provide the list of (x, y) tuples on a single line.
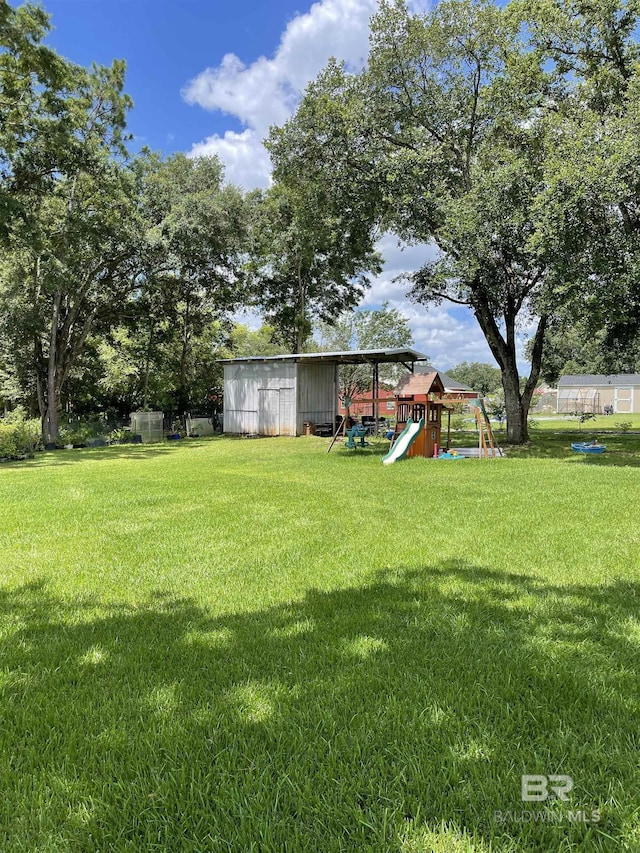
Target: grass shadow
[(623, 450), (134, 452), (370, 718)]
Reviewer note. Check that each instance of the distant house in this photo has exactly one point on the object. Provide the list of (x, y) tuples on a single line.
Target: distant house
[(363, 404), (615, 393)]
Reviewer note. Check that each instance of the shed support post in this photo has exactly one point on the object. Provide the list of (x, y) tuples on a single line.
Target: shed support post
[(375, 391), (336, 392)]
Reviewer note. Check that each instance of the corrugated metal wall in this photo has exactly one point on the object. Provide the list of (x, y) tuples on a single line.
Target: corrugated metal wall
[(317, 394), (260, 398)]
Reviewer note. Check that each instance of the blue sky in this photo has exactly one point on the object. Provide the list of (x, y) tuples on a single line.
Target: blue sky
[(211, 76), (167, 43)]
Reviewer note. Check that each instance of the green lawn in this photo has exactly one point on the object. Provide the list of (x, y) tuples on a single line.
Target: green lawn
[(235, 645), (600, 424)]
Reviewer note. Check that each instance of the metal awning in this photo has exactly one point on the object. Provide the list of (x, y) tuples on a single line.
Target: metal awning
[(371, 356)]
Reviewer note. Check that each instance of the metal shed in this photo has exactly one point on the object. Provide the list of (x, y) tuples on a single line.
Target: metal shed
[(276, 395)]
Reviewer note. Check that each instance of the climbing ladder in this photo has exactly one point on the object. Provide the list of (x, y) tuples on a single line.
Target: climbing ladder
[(487, 444)]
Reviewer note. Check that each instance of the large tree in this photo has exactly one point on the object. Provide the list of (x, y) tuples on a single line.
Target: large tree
[(196, 272), (441, 134), (34, 83), (72, 260), (310, 260), (160, 350), (589, 212)]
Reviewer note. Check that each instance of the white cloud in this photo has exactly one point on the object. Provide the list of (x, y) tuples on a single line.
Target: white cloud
[(246, 160), (267, 91), (445, 338)]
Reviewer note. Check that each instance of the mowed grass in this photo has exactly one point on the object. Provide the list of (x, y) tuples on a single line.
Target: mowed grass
[(234, 645), (598, 424)]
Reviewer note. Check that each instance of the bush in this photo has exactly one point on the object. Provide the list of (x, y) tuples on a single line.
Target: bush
[(19, 436), (81, 434), (119, 435), (623, 426)]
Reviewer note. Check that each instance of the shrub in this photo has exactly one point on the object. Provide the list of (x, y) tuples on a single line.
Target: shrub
[(623, 426), (81, 433), (19, 436), (118, 435)]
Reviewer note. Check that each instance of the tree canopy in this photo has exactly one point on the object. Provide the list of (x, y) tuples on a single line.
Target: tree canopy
[(457, 133), (483, 378), (304, 263)]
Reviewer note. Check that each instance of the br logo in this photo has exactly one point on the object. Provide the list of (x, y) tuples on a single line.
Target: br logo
[(539, 788)]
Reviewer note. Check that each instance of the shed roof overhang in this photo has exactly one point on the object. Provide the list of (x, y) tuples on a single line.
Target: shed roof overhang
[(372, 356)]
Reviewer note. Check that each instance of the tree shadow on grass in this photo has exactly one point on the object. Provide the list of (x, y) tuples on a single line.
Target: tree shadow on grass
[(133, 452), (622, 450), (395, 716)]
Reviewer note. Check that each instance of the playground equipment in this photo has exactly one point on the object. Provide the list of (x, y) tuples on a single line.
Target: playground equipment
[(357, 431), (418, 401), (486, 442), (421, 398), (403, 443)]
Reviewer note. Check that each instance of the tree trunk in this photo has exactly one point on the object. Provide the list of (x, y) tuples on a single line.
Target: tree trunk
[(517, 429), (504, 350), (516, 403), (38, 360), (182, 396), (52, 401), (147, 370), (300, 330)]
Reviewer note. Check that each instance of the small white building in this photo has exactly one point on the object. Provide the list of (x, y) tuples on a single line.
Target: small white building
[(618, 393), (276, 395)]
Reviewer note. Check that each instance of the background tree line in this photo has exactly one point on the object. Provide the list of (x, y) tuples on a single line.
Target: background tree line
[(506, 137), (120, 272)]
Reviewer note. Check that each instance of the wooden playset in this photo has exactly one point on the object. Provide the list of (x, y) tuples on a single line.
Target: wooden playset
[(419, 395)]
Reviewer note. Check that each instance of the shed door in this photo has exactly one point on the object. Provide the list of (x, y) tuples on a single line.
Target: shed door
[(287, 411), (268, 411), (623, 400)]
